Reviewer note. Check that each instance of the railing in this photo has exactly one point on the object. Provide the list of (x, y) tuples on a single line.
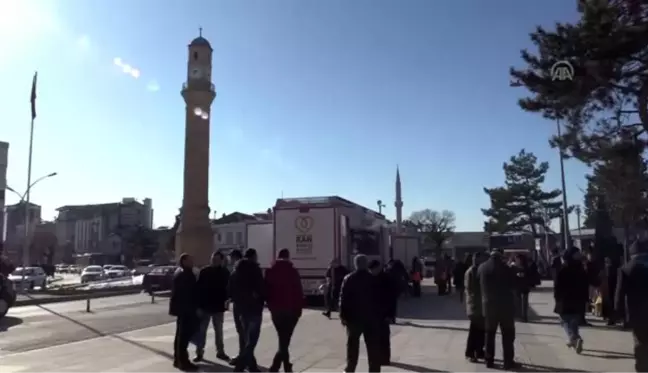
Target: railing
[(199, 86)]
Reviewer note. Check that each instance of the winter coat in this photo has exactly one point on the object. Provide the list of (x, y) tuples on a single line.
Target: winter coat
[(632, 287), (284, 291), (212, 288), (184, 296), (247, 288), (571, 289), (497, 284), (473, 292)]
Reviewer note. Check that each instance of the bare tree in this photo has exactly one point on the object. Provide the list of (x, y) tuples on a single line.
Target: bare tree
[(435, 226)]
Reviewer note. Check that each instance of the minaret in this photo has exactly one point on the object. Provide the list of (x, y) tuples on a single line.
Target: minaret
[(195, 235), (398, 203)]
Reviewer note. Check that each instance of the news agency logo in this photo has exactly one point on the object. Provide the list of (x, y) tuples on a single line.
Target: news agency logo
[(562, 71)]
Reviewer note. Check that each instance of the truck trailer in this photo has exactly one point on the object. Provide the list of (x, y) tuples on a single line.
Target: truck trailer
[(317, 230)]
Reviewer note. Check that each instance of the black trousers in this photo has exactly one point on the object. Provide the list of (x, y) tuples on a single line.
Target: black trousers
[(384, 336), (640, 333), (186, 326), (416, 288), (370, 332), (332, 298), (442, 287), (522, 307), (476, 335), (462, 292), (239, 329), (507, 327), (284, 324)]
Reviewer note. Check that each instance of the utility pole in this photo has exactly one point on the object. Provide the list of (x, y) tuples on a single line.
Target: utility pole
[(380, 206), (578, 223), (564, 191)]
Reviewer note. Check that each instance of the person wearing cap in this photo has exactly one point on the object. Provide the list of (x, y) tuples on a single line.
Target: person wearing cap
[(184, 306), (632, 287), (247, 288), (285, 298), (359, 300), (234, 257), (571, 294), (496, 282)]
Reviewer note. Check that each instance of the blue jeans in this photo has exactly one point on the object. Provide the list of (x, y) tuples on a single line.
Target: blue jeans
[(200, 338), (570, 324), (251, 330)]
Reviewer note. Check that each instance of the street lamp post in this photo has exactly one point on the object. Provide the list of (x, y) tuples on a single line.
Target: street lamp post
[(564, 190), (24, 198)]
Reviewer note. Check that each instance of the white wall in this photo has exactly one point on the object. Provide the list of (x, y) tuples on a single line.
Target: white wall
[(229, 236)]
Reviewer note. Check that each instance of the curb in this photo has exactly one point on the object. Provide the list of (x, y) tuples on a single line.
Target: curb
[(74, 297)]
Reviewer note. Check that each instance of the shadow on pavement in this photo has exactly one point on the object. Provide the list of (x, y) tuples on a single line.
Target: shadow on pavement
[(413, 368), (211, 366), (534, 318), (543, 368), (98, 333), (431, 306), (8, 322), (609, 355)]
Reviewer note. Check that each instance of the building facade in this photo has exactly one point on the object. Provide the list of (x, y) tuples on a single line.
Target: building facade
[(4, 160)]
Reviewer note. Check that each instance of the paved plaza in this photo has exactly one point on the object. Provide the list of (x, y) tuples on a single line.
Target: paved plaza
[(430, 337)]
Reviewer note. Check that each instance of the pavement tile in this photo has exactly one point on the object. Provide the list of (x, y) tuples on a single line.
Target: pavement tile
[(430, 336)]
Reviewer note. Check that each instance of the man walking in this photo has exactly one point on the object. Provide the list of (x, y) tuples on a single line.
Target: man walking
[(334, 276), (247, 291), (358, 305), (632, 287), (496, 280), (285, 298), (570, 293), (212, 293), (234, 257), (385, 294), (475, 342), (184, 306)]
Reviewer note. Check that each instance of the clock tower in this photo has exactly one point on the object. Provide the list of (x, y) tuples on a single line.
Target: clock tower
[(194, 235)]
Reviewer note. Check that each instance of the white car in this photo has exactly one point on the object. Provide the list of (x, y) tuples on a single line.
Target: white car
[(29, 278), (92, 273), (117, 271)]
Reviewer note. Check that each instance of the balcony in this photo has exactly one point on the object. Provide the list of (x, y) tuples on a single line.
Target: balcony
[(199, 86)]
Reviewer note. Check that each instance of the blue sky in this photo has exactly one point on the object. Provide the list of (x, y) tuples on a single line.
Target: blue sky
[(314, 98)]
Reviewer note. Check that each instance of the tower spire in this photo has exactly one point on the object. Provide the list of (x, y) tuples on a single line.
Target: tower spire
[(398, 202)]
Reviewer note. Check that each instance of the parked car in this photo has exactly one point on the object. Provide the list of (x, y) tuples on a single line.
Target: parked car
[(7, 295), (29, 278), (158, 279), (115, 271), (92, 273)]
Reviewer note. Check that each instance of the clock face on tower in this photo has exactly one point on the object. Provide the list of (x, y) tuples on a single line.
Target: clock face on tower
[(196, 73)]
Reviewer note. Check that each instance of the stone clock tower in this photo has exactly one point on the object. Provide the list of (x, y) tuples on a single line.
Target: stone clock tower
[(195, 235)]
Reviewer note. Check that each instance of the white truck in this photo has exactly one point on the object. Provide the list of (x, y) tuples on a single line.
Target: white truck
[(260, 236), (317, 230), (405, 248)]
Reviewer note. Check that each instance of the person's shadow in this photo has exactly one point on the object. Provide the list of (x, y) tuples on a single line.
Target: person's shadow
[(413, 368), (610, 355), (8, 322)]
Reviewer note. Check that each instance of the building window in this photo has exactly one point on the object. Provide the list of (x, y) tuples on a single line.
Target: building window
[(229, 238), (219, 237), (239, 238), (196, 56)]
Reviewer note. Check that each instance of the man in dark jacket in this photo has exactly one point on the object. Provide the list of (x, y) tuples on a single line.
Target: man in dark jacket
[(234, 257), (523, 284), (184, 306), (334, 276), (359, 300), (212, 295), (285, 298), (398, 280), (632, 288), (570, 293), (247, 288), (475, 341), (497, 281), (385, 295)]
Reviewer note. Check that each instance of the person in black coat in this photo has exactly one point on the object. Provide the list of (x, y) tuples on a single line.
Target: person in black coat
[(246, 289), (184, 306), (570, 294), (334, 276), (610, 276), (234, 257), (398, 280), (385, 300), (212, 294), (476, 332), (459, 273), (497, 282), (359, 300), (632, 289), (523, 284)]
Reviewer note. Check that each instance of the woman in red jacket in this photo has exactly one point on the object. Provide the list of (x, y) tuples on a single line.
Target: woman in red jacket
[(285, 300)]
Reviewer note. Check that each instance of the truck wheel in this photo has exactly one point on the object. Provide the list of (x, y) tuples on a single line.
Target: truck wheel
[(4, 308)]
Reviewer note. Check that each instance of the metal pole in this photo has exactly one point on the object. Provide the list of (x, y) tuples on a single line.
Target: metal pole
[(578, 223), (25, 254), (564, 192)]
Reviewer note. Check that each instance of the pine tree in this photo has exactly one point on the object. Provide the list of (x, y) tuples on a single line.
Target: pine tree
[(521, 204), (608, 49)]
